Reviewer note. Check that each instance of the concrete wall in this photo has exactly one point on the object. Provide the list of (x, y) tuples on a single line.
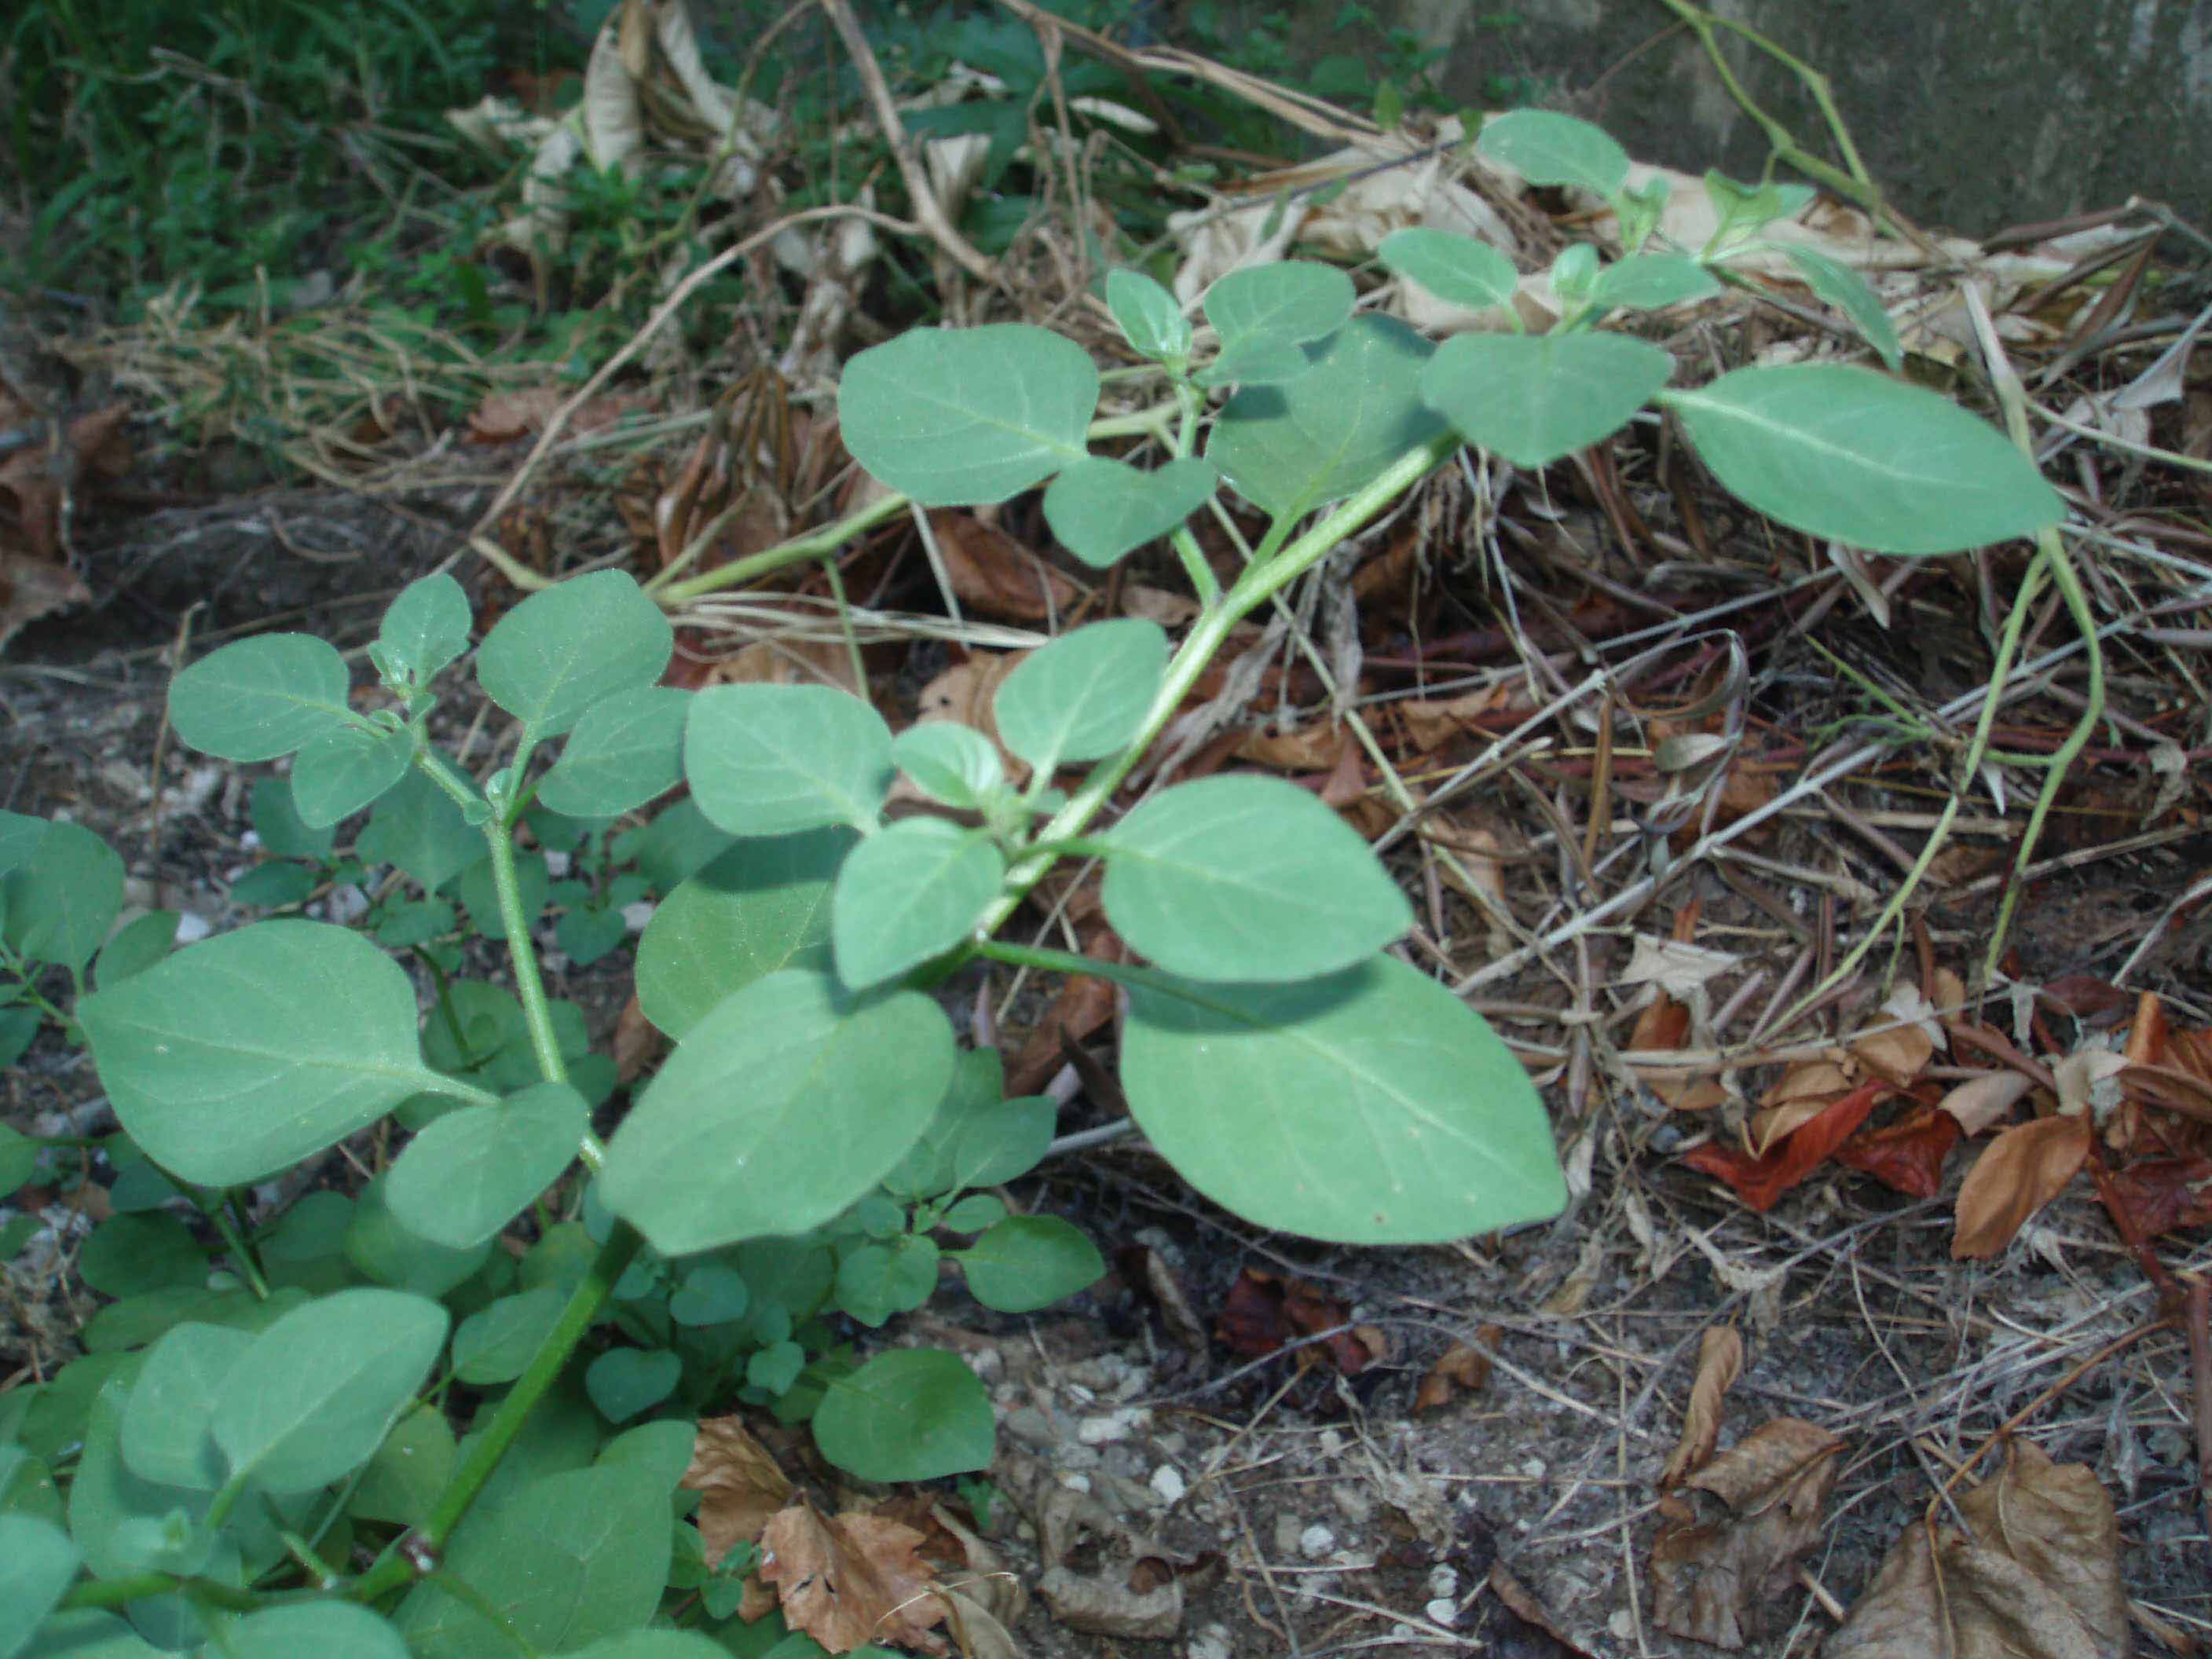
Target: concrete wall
[(1973, 114)]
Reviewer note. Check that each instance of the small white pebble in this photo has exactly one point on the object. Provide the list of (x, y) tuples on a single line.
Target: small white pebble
[(347, 903), (1443, 1581), (1211, 1643), (1533, 1468), (1315, 1541), (192, 926), (634, 916), (1112, 1427), (1445, 1611), (1074, 1482), (1168, 1482), (1622, 1623), (556, 863)]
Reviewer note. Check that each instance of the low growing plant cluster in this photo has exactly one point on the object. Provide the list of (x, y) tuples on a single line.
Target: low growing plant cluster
[(257, 1451)]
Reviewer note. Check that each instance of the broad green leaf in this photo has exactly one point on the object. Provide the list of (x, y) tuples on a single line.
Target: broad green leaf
[(27, 1486), (167, 1423), (975, 1213), (772, 760), (672, 1644), (778, 1109), (426, 627), (19, 1029), (256, 699), (1293, 301), (1545, 148), (910, 1414), (131, 1255), (623, 1382), (19, 1159), (283, 834), (959, 417), (1085, 695), (1849, 453), (273, 886), (342, 771), (214, 1071), (1030, 1261), (793, 1273), (774, 1368), (1652, 282), (1534, 399), (395, 1256), (327, 1630), (568, 646), (1849, 292), (710, 1295), (57, 905), (1574, 274), (907, 893), (1262, 360), (89, 1633), (1372, 1106), (135, 946), (664, 1448), (494, 1345), (38, 1563), (949, 763), (1101, 509), (879, 1280), (586, 934), (1287, 449), (312, 1399), (1458, 270), (478, 889), (418, 827), (1247, 877), (20, 835), (1150, 319), (624, 752), (404, 1481), (761, 906), (976, 1137), (569, 1560), (472, 1171)]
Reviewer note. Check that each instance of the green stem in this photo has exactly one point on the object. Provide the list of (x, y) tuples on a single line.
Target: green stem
[(1267, 575), (397, 1565), (117, 1592), (234, 1241)]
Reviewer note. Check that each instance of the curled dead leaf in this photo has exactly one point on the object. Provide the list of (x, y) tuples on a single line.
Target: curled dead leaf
[(1759, 1181), (1099, 1606), (1721, 1580), (995, 575), (1720, 1362), (1981, 1101), (2018, 1173), (1463, 1368), (851, 1580), (1907, 1156), (740, 1485)]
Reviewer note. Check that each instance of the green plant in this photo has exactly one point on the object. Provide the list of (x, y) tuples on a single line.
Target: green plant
[(236, 1441)]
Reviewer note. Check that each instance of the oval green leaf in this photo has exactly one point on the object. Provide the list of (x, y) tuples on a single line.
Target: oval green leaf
[(781, 1107), (761, 906), (1534, 397), (1458, 270), (1287, 449), (215, 1073), (1370, 1108), (1547, 149), (1101, 509), (1247, 877), (959, 417), (1293, 301), (1030, 1261), (1150, 319), (38, 1563), (426, 627), (256, 699), (568, 646), (911, 1414), (166, 1421), (1850, 293), (342, 771), (623, 752), (495, 1344), (949, 763), (1849, 453), (772, 760), (1652, 282), (328, 1630), (1085, 695), (909, 894), (312, 1399), (623, 1382), (472, 1171), (57, 905)]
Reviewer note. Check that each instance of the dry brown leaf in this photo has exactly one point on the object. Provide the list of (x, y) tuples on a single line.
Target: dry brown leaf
[(965, 692), (41, 478), (29, 588), (1901, 1053), (740, 1488), (781, 662), (852, 1579), (506, 416), (1430, 723), (1720, 1362), (1170, 611), (1463, 1369), (994, 574), (637, 1041), (1720, 1580), (2018, 1173), (2038, 1575), (1098, 1607), (1981, 1101)]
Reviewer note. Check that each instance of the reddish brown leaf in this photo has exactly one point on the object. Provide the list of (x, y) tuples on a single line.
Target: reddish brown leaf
[(2164, 1194), (1907, 1157), (30, 587), (740, 1488), (1463, 1369), (994, 574), (637, 1041), (2017, 1174), (1720, 1362), (2037, 1576), (1537, 1627), (850, 1580), (2092, 1000), (1759, 1181), (1725, 1580), (1262, 1314)]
